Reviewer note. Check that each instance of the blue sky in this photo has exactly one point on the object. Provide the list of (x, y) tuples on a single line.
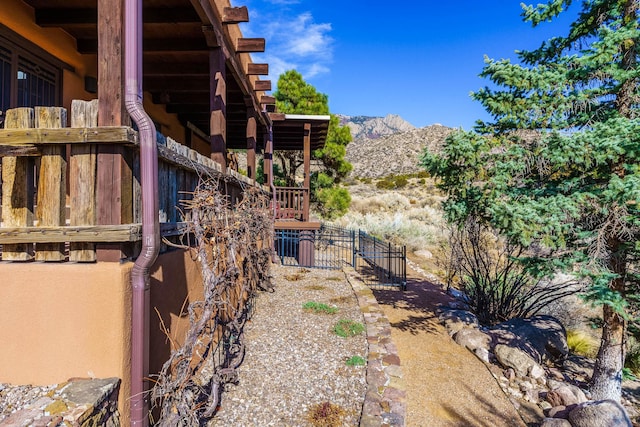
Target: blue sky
[(419, 59)]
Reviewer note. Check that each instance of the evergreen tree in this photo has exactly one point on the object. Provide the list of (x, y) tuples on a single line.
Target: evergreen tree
[(295, 96), (569, 186)]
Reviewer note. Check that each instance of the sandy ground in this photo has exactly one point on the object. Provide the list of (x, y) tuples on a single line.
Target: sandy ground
[(447, 386)]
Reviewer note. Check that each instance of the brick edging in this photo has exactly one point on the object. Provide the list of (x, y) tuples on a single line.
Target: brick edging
[(385, 401)]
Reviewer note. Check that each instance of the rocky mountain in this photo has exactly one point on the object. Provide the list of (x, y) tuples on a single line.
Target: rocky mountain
[(398, 153), (375, 127)]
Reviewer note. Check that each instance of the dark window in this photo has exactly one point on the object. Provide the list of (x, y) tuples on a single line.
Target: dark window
[(29, 76)]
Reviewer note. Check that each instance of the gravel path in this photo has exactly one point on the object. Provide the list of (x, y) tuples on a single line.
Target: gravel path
[(447, 385), (293, 359)]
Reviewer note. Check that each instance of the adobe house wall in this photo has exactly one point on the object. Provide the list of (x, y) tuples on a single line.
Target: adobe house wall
[(65, 320)]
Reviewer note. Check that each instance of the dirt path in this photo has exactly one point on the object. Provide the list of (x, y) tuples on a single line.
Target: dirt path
[(447, 386)]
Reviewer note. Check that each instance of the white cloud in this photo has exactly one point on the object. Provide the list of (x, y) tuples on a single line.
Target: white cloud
[(294, 41)]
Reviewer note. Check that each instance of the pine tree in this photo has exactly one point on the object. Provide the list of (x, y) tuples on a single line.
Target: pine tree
[(569, 184), (295, 96)]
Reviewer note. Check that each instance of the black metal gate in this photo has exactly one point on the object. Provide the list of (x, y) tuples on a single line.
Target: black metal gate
[(330, 247)]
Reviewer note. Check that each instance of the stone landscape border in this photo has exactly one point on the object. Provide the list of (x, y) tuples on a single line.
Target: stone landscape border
[(386, 398)]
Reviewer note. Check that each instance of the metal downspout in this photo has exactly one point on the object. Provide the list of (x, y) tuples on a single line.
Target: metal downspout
[(150, 223)]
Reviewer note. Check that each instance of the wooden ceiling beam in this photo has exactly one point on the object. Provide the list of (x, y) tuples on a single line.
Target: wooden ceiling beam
[(267, 99), (62, 16), (257, 69), (249, 45), (169, 44), (262, 85), (235, 15)]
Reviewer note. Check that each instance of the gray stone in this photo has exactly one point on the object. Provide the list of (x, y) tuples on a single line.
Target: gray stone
[(566, 395), (541, 337), (482, 354), (511, 357), (472, 339), (455, 320), (603, 413), (555, 422)]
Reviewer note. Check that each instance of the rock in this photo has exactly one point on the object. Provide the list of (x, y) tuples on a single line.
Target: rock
[(579, 366), (566, 395), (537, 372), (455, 320), (511, 357), (472, 339), (482, 354), (603, 413), (541, 337), (560, 411), (424, 254), (555, 422)]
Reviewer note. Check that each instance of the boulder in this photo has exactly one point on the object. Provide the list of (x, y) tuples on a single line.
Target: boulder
[(602, 413), (566, 395), (511, 357), (455, 320), (541, 337), (555, 422), (472, 339)]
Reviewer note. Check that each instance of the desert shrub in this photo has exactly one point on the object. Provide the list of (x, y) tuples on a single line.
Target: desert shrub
[(583, 344), (392, 182), (498, 286)]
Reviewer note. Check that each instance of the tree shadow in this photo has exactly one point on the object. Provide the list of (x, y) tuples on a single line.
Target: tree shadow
[(421, 299), (486, 413)]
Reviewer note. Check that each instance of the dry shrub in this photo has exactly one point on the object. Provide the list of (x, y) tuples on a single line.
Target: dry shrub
[(326, 414), (234, 252)]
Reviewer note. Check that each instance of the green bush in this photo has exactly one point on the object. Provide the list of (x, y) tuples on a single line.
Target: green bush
[(348, 328), (318, 307), (356, 361), (582, 344)]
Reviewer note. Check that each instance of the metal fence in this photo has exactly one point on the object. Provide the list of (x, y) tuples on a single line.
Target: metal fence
[(380, 264)]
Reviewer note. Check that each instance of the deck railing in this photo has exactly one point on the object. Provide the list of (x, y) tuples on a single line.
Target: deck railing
[(55, 188), (291, 203)]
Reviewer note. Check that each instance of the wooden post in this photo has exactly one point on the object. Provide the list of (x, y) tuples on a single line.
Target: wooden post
[(52, 183), (251, 146), (82, 179), (114, 184), (218, 105), (307, 170), (267, 160), (17, 188)]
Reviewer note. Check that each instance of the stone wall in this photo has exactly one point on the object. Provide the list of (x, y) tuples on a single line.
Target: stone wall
[(77, 402)]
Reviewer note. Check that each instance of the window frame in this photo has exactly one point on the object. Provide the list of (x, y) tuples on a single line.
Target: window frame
[(21, 48)]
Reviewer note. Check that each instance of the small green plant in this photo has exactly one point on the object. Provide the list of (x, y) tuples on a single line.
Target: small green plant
[(318, 307), (632, 356), (348, 328), (581, 343), (326, 414), (356, 361)]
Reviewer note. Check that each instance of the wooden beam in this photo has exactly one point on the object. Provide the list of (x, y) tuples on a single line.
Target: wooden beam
[(234, 15), (257, 69), (264, 99), (63, 16), (307, 169), (17, 188), (82, 179), (218, 106), (110, 49), (248, 45), (52, 182), (262, 85), (168, 44), (277, 117), (95, 135), (252, 134)]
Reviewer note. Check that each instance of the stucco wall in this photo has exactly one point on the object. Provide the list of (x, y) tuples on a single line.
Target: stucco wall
[(59, 321)]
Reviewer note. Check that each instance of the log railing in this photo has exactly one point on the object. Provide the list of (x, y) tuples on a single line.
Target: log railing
[(50, 192), (291, 203)]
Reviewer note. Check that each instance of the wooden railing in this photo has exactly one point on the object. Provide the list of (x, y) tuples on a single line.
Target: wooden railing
[(50, 209), (292, 203)]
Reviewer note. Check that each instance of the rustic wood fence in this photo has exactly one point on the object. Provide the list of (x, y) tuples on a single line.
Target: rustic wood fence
[(55, 190)]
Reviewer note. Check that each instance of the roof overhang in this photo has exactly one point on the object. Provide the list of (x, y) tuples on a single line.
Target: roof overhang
[(289, 129)]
